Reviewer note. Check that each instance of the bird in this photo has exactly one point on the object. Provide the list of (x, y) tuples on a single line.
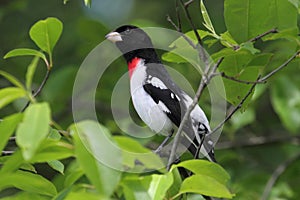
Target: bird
[(157, 99)]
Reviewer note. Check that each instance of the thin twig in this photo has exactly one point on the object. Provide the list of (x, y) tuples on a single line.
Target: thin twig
[(38, 91), (184, 120), (204, 81), (277, 173), (191, 43), (187, 13), (240, 81), (178, 15), (280, 67), (235, 108), (274, 30)]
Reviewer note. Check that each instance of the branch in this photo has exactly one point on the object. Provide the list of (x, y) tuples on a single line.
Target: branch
[(277, 173), (241, 81), (38, 91), (179, 30), (204, 81), (235, 108), (274, 30), (280, 67), (184, 120)]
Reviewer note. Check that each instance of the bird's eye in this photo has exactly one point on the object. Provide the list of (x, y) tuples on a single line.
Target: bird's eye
[(127, 31)]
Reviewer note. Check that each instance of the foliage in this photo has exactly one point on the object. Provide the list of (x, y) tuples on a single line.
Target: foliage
[(260, 36)]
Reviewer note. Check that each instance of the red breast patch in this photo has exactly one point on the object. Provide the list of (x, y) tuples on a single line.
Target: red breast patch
[(132, 65)]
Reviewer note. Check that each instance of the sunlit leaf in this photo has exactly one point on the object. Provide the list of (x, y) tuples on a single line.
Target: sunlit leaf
[(92, 142), (27, 181), (153, 187), (207, 22), (206, 168), (45, 33), (25, 52), (7, 128), (205, 185), (34, 129), (133, 151), (9, 94), (57, 165)]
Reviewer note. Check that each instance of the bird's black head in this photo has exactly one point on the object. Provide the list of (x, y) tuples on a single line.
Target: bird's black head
[(133, 42)]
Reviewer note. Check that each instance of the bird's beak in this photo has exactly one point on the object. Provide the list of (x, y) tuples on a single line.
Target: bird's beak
[(114, 37)]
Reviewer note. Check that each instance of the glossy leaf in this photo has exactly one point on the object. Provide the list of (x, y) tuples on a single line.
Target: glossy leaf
[(236, 66), (9, 94), (27, 181), (245, 19), (152, 187), (45, 33), (12, 163), (207, 22), (52, 150), (92, 142), (7, 128), (57, 165), (133, 151), (25, 52), (206, 168), (205, 185), (34, 129)]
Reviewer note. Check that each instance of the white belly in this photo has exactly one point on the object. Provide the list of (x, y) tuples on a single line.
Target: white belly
[(146, 108)]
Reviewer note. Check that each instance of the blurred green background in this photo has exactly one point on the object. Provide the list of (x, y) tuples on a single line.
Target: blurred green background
[(250, 166)]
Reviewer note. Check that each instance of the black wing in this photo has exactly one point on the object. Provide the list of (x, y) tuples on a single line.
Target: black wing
[(168, 98)]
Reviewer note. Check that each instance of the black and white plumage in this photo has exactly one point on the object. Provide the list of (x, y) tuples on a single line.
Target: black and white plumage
[(159, 102)]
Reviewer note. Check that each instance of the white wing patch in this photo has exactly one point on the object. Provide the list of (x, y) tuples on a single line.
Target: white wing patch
[(156, 82), (163, 107)]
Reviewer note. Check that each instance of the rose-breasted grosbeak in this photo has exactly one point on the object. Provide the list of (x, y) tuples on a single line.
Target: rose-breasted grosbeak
[(159, 102)]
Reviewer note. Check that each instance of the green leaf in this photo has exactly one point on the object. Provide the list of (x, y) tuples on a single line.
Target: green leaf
[(96, 153), (30, 72), (9, 94), (25, 52), (133, 151), (249, 46), (88, 3), (207, 22), (72, 174), (241, 119), (57, 165), (285, 98), (12, 79), (7, 128), (153, 187), (52, 150), (236, 66), (34, 129), (205, 185), (84, 194), (54, 134), (206, 168), (27, 181), (26, 196), (12, 163), (45, 33), (245, 19)]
